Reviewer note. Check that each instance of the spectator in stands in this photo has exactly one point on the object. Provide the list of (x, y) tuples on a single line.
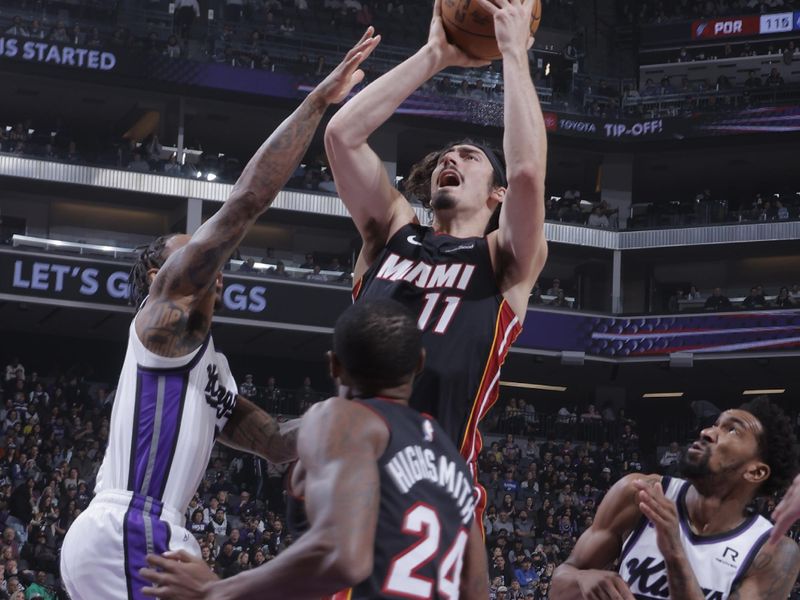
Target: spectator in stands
[(17, 29), (755, 299), (694, 294), (775, 79), (782, 213), (327, 184), (173, 49), (248, 388), (186, 11), (554, 288), (35, 31), (784, 299), (560, 300), (670, 459), (598, 218), (716, 301), (316, 275), (171, 167), (59, 33), (138, 164), (306, 395)]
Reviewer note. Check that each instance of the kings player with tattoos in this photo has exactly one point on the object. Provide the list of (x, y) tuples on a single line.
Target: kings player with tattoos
[(694, 539), (176, 394)]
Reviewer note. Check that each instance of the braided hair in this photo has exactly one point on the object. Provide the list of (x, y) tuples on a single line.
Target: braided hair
[(149, 256)]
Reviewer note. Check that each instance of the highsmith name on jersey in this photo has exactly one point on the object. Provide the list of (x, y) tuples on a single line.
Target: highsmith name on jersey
[(413, 464)]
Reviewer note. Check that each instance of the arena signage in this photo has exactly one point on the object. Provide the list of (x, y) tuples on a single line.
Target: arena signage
[(726, 27), (56, 54), (105, 284), (654, 336)]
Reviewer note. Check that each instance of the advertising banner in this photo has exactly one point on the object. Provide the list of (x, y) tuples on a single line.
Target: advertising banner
[(629, 337), (96, 282)]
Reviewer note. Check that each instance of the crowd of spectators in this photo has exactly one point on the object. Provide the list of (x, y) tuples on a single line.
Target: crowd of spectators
[(756, 299), (543, 490)]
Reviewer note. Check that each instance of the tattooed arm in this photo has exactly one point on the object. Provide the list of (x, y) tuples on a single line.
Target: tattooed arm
[(178, 315), (251, 429), (772, 574), (339, 448)]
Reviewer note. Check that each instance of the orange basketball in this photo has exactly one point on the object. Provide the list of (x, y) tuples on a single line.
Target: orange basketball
[(471, 28)]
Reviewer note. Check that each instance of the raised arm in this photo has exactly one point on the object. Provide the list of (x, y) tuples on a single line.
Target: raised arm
[(377, 208), (522, 248), (173, 313), (252, 430), (338, 448), (584, 574)]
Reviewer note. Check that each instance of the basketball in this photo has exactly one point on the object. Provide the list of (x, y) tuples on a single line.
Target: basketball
[(471, 28)]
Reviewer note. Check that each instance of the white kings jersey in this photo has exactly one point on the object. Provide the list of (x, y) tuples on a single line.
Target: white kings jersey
[(719, 561), (167, 413)]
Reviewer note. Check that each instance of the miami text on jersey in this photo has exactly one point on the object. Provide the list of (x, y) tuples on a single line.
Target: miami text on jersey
[(424, 275)]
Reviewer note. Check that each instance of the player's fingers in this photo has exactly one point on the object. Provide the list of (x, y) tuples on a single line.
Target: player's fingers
[(152, 575), (181, 555), (151, 591), (780, 528), (622, 589), (651, 514), (489, 6), (159, 562), (367, 34)]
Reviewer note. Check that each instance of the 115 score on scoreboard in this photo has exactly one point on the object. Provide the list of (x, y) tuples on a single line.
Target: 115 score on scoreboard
[(779, 23)]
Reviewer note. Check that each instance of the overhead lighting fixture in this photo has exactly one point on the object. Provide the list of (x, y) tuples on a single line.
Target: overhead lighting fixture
[(663, 395), (211, 177), (765, 392), (534, 386)]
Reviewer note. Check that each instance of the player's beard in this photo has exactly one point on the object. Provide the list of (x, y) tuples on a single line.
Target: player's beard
[(695, 469), (443, 199)]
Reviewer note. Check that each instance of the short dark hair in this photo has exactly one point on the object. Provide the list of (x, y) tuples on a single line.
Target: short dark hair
[(378, 342), (776, 445), (418, 182), (150, 256)]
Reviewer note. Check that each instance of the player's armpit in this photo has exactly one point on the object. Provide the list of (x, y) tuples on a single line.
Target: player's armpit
[(772, 573), (253, 430)]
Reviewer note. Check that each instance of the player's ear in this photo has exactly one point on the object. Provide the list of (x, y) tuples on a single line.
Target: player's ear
[(499, 194), (757, 472), (421, 362)]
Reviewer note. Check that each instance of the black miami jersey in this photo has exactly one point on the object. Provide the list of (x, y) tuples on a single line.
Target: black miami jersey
[(468, 327), (425, 514)]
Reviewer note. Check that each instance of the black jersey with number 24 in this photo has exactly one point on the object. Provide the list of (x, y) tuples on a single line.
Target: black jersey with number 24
[(426, 510)]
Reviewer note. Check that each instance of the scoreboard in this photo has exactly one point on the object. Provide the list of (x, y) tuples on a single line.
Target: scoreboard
[(746, 26)]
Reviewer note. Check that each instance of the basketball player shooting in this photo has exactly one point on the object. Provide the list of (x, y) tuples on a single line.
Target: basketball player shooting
[(694, 539), (468, 289), (176, 394), (387, 501)]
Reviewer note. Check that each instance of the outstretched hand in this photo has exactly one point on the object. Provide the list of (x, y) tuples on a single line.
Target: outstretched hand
[(340, 82), (787, 512), (180, 576), (449, 55)]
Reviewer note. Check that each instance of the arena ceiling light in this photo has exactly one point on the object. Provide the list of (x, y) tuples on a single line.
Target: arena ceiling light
[(663, 395), (534, 386), (764, 392)]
